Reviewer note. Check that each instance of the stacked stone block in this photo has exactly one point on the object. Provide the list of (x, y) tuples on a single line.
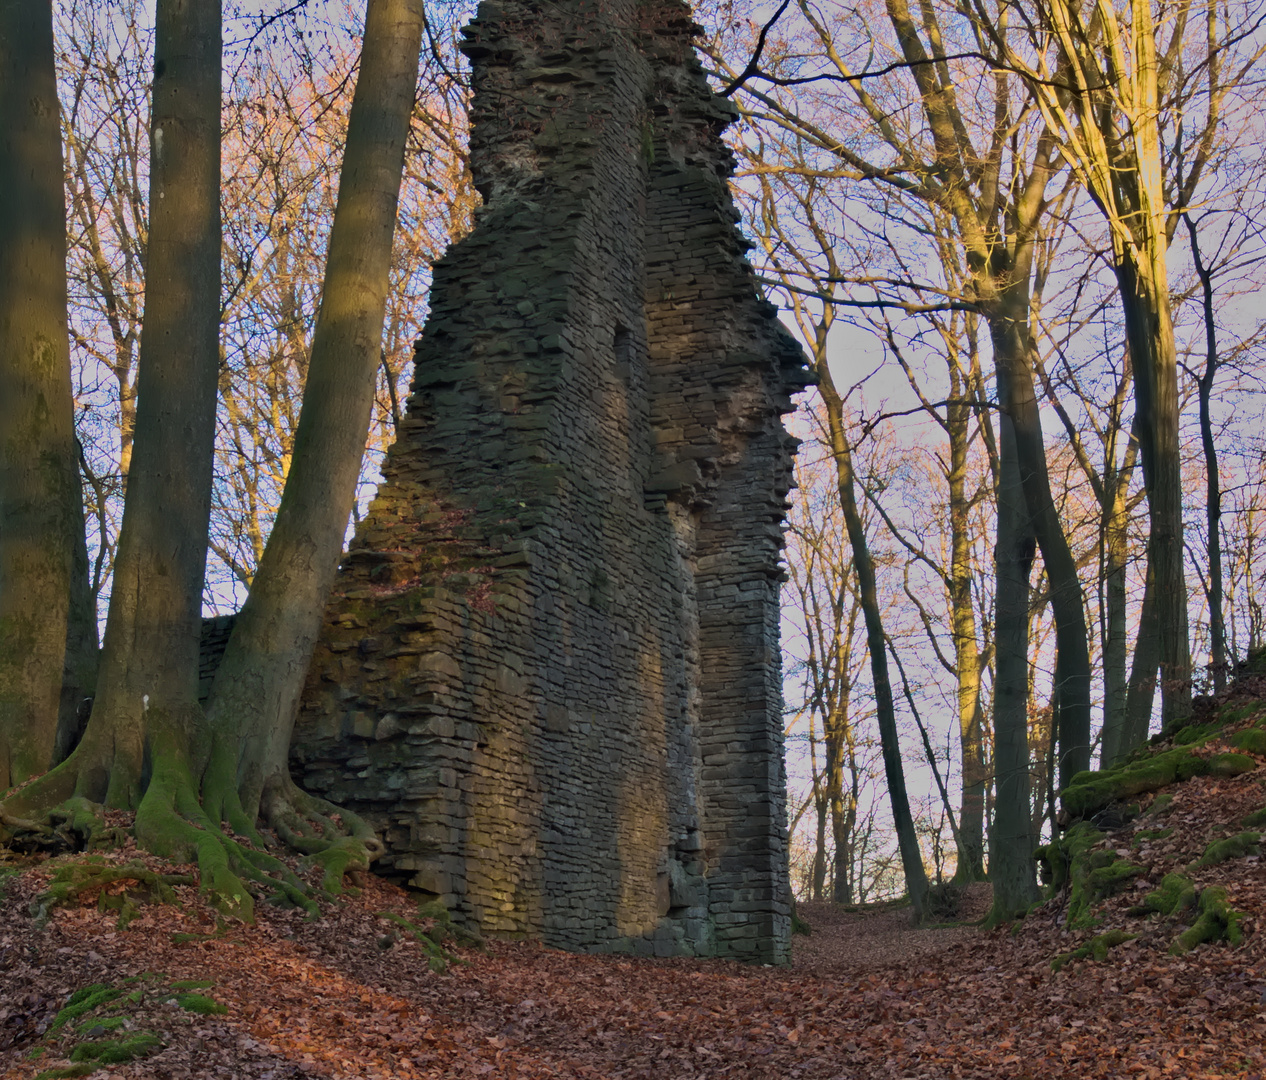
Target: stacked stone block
[(550, 671)]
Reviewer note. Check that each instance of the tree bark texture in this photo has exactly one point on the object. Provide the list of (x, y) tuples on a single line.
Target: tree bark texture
[(39, 501), (146, 720), (1219, 663), (1008, 322), (1010, 844), (256, 692), (1145, 299)]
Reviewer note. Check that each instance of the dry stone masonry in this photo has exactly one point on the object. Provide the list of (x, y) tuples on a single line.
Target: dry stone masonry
[(550, 670)]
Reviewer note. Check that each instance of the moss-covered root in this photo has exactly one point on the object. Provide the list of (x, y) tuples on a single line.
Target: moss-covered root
[(1090, 873), (337, 840), (76, 881), (1094, 949), (1055, 859), (1231, 847), (172, 822), (1090, 792), (1218, 921), (1175, 895)]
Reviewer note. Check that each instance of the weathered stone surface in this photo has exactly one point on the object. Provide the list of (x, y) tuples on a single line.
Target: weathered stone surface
[(550, 672)]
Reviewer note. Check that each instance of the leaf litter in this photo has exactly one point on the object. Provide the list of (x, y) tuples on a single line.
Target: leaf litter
[(349, 996)]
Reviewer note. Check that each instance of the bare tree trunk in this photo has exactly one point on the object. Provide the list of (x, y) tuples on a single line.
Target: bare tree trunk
[(256, 692), (1213, 487), (886, 717), (38, 467), (146, 710), (1145, 299), (1008, 318), (79, 675), (1114, 521), (971, 815), (1010, 846), (1143, 670)]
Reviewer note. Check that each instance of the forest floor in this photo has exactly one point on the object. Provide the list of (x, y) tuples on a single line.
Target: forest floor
[(349, 995)]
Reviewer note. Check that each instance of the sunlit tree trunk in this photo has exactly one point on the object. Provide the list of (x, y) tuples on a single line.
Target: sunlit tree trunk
[(39, 499), (256, 692), (146, 736)]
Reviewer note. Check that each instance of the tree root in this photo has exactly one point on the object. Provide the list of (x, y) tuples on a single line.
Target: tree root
[(184, 821), (75, 881), (337, 840)]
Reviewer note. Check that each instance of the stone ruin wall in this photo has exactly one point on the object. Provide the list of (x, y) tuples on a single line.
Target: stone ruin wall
[(550, 670)]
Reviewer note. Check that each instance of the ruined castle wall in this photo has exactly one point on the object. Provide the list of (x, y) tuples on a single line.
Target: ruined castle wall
[(549, 672)]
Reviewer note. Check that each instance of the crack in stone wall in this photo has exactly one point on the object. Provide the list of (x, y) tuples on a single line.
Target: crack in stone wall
[(550, 671)]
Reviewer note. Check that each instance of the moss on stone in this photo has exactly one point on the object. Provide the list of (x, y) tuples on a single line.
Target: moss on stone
[(1231, 847), (1231, 764), (1218, 921), (1055, 858), (100, 1024), (1092, 792), (117, 1051), (1089, 872), (1254, 819), (1161, 805), (1251, 740), (1175, 895), (1095, 949), (1151, 834), (84, 1001)]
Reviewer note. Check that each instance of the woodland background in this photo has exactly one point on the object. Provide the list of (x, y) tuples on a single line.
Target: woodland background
[(879, 282)]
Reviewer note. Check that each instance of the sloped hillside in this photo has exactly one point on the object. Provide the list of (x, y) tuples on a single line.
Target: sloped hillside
[(1148, 960)]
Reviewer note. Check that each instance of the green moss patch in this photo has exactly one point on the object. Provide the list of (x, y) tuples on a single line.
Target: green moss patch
[(1161, 805), (99, 1025), (1175, 895), (200, 1003), (1218, 921), (117, 1051), (1143, 835), (1251, 740), (1090, 873), (1091, 792), (1231, 764), (1055, 859), (192, 984), (1094, 949), (1254, 819), (1232, 847), (84, 1001)]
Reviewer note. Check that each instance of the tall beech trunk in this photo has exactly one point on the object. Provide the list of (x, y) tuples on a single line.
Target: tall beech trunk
[(1145, 300), (146, 737), (79, 673), (890, 745), (1213, 486), (967, 662), (256, 691), (1008, 319), (1141, 692), (1114, 522), (40, 507), (1010, 844)]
